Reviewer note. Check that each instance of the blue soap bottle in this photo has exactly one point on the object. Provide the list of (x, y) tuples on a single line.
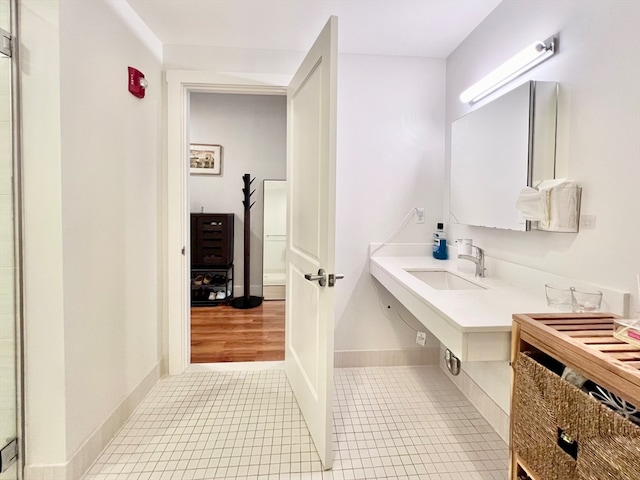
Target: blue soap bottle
[(440, 243)]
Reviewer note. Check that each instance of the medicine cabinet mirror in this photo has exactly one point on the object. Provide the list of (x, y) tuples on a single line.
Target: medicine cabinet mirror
[(497, 150)]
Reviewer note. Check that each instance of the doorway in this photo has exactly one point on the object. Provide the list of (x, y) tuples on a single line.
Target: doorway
[(311, 166), (249, 132), (180, 86), (10, 291)]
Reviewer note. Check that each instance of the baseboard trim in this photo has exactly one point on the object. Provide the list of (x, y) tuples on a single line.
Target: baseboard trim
[(386, 358), (274, 292), (88, 452), (45, 472)]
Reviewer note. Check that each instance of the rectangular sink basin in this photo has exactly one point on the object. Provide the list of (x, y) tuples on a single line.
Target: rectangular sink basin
[(443, 280)]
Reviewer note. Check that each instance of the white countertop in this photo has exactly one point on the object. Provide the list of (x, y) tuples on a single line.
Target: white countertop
[(487, 310)]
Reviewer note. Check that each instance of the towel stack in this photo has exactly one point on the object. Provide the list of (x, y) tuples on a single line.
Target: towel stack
[(554, 204)]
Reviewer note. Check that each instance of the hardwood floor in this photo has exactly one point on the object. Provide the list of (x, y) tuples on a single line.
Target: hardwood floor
[(226, 334)]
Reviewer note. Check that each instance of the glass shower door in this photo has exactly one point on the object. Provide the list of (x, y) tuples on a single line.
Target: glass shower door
[(8, 265)]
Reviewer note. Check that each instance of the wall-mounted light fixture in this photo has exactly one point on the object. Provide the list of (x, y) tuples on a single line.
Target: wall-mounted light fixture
[(137, 83), (528, 58)]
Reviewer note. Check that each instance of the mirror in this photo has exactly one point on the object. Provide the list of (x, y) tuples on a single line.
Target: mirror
[(497, 150), (274, 239)]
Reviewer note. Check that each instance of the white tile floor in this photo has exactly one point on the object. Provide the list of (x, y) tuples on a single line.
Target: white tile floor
[(389, 422)]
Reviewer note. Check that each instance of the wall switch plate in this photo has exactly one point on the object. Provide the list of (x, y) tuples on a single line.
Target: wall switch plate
[(421, 338), (419, 215), (588, 222)]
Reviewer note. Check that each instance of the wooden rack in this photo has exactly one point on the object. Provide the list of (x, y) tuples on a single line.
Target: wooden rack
[(583, 342)]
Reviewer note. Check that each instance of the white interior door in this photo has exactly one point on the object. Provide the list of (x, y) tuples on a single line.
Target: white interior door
[(311, 152)]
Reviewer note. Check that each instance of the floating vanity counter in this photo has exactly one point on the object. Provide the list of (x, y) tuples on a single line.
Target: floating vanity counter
[(470, 316)]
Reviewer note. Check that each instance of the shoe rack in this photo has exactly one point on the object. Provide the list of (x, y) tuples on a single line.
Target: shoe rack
[(211, 285)]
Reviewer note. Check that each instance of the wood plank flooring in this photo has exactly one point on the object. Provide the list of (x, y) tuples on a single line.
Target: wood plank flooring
[(226, 334)]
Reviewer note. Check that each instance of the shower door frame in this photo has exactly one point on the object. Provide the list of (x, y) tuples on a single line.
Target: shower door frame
[(16, 136)]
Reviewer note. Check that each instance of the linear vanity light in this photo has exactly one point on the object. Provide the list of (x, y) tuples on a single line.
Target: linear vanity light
[(528, 58)]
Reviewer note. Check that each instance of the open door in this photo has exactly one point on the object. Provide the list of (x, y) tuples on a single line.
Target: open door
[(311, 158)]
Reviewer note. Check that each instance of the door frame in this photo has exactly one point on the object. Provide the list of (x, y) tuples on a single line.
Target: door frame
[(175, 252), (17, 199)]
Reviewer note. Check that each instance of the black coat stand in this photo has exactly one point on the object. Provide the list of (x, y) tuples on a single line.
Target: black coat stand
[(247, 301)]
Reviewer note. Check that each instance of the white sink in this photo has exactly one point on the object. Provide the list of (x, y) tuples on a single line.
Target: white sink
[(468, 315), (444, 280)]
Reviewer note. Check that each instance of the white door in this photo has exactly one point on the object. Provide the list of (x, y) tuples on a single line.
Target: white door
[(311, 158)]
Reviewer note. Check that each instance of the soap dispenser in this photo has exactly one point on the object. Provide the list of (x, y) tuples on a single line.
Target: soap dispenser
[(440, 243)]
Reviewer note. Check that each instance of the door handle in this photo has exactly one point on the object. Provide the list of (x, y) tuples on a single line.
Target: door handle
[(333, 277), (321, 277)]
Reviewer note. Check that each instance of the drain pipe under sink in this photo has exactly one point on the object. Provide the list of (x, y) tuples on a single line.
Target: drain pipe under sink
[(453, 362)]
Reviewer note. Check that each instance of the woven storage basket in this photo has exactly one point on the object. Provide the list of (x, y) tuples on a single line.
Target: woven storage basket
[(608, 445), (542, 404)]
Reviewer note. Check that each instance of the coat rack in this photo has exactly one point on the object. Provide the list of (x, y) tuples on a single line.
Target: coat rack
[(247, 301)]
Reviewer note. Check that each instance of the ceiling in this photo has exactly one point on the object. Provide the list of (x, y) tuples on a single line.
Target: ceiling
[(426, 28)]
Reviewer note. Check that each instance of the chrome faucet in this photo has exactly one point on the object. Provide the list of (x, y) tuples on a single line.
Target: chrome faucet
[(478, 259)]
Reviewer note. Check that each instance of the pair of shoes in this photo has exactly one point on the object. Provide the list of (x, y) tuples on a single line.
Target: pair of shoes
[(198, 280), (221, 295), (199, 294), (207, 279)]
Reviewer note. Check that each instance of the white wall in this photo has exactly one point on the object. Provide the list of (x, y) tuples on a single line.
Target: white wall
[(222, 59), (390, 159), (91, 157), (252, 131), (45, 383), (599, 120)]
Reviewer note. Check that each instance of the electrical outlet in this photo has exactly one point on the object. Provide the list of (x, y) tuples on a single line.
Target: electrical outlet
[(421, 338), (419, 215)]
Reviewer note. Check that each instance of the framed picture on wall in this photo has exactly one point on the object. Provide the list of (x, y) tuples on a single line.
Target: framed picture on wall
[(205, 159)]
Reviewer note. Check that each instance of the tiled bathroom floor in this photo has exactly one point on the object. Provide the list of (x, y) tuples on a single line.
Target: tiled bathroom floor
[(389, 422)]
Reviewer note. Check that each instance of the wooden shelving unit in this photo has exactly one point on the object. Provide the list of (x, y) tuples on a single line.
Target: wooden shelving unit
[(584, 342), (211, 239), (211, 258)]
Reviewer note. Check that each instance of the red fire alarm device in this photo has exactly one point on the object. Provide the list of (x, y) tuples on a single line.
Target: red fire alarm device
[(137, 82)]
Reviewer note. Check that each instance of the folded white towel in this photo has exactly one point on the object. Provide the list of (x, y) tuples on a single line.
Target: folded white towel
[(534, 205), (554, 204), (563, 208)]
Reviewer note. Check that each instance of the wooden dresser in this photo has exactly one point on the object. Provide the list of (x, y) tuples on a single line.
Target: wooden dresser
[(558, 431)]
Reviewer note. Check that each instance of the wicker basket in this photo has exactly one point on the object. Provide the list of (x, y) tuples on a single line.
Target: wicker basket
[(560, 432)]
